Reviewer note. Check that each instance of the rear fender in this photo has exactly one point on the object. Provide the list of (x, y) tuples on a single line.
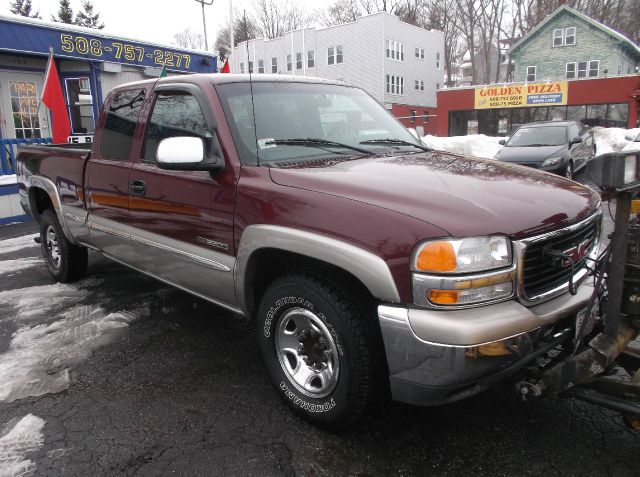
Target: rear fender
[(40, 182)]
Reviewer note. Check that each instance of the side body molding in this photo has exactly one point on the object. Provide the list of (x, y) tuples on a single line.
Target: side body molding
[(370, 269), (40, 182)]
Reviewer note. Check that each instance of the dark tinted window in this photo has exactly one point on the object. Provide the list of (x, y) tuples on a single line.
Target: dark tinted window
[(174, 114), (122, 117)]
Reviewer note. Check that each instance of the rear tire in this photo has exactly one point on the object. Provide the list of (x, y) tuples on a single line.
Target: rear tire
[(65, 261), (319, 349)]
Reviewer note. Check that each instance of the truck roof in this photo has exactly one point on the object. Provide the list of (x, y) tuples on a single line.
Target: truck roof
[(218, 78)]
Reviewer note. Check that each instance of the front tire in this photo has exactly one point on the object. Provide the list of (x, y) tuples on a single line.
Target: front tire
[(318, 347), (65, 261)]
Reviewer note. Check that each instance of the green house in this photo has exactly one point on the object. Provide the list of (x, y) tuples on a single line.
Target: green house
[(569, 45)]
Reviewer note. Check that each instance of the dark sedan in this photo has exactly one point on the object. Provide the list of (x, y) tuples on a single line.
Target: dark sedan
[(562, 147)]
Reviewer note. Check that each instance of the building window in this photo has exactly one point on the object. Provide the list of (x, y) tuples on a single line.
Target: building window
[(80, 104), (339, 54), (395, 84), (298, 60), (251, 67), (413, 115), (311, 59), (531, 73), (437, 85), (564, 37), (260, 66), (425, 117), (594, 68), (24, 105), (241, 67), (570, 36), (419, 53), (419, 85), (395, 50), (570, 71), (334, 55), (274, 65), (438, 60), (558, 37), (288, 62), (582, 69)]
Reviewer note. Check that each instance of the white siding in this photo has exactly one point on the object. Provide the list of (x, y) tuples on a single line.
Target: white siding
[(364, 56)]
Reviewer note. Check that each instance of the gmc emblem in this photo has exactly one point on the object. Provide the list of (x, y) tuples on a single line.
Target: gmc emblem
[(576, 253)]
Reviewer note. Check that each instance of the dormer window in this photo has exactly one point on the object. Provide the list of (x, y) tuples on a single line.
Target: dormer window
[(564, 36)]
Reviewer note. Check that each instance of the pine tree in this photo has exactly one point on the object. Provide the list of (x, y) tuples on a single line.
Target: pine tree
[(23, 8), (65, 13), (87, 18)]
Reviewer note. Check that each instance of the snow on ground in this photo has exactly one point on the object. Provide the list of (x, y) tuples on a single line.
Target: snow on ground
[(18, 243), (8, 180), (11, 266), (24, 438), (607, 140)]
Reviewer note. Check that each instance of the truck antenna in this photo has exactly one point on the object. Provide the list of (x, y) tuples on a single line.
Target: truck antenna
[(253, 105)]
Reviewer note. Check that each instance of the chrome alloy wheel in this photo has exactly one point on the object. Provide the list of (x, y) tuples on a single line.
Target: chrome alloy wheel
[(51, 241), (307, 352)]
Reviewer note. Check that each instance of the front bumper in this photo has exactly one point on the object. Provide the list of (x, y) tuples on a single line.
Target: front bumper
[(436, 357)]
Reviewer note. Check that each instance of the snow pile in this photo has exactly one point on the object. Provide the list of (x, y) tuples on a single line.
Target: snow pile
[(8, 180), (24, 438), (18, 243), (477, 145)]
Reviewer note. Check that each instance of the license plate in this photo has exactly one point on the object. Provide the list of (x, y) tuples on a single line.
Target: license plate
[(590, 319)]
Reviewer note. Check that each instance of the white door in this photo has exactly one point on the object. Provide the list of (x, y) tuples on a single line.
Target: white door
[(19, 97)]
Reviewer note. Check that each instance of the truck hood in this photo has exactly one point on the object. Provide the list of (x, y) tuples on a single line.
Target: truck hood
[(462, 195)]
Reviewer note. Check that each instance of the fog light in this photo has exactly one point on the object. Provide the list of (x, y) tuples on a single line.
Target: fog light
[(470, 296)]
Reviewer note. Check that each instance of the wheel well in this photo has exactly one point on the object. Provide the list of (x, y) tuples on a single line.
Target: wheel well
[(39, 201), (266, 265)]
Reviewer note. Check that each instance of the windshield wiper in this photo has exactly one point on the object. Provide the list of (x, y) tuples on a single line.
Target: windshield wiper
[(535, 145), (319, 143), (398, 142)]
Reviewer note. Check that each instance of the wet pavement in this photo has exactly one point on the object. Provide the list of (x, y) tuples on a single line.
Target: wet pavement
[(147, 380)]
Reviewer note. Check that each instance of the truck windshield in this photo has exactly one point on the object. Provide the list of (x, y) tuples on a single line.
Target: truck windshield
[(290, 120), (538, 136)]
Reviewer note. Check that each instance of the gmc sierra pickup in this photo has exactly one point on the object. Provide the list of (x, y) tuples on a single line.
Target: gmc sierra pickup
[(371, 265)]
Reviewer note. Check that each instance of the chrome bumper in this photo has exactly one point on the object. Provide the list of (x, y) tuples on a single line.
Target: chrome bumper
[(435, 357)]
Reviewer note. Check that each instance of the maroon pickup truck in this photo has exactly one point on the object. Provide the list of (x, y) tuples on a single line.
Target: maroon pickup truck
[(371, 265)]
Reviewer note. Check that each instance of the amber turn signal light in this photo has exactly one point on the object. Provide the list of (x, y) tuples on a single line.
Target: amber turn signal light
[(437, 257), (443, 297)]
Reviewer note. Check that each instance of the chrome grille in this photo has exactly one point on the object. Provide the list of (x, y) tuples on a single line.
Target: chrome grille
[(540, 273)]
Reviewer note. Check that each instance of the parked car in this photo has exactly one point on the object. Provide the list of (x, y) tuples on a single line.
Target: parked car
[(371, 265), (562, 147), (633, 136)]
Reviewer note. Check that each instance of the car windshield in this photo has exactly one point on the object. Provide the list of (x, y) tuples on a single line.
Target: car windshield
[(538, 136), (297, 121)]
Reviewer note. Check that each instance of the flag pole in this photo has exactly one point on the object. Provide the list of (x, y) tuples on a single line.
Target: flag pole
[(46, 75), (231, 35)]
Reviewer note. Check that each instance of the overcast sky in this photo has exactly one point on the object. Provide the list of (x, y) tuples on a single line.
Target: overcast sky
[(157, 20)]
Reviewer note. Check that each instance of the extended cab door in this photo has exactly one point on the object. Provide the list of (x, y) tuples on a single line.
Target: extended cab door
[(182, 221), (107, 172)]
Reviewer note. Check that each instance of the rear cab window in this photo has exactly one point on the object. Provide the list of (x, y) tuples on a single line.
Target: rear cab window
[(122, 114)]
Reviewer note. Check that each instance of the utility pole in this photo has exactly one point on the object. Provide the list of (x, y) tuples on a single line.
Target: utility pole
[(204, 21), (231, 44)]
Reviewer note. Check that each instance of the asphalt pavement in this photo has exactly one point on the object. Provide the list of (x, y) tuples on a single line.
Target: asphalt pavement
[(119, 374)]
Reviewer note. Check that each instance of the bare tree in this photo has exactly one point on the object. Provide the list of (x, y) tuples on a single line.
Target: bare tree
[(340, 12), (189, 38), (439, 15), (375, 6), (276, 17), (244, 28)]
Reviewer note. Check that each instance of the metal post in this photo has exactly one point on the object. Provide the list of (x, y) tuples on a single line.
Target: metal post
[(204, 21), (615, 281), (231, 34)]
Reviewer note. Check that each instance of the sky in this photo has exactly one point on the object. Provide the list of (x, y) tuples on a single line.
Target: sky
[(158, 21)]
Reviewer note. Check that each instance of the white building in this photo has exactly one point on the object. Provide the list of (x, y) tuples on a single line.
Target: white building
[(400, 65)]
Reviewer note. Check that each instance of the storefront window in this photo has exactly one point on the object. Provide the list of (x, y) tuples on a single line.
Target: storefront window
[(557, 113), (24, 106), (618, 115), (80, 104), (519, 116), (596, 115), (537, 114), (576, 113)]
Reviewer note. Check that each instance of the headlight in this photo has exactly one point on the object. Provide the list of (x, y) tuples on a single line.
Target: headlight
[(552, 161), (474, 254), (463, 272)]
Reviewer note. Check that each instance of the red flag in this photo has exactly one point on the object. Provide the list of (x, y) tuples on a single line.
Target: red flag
[(225, 67), (54, 100)]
